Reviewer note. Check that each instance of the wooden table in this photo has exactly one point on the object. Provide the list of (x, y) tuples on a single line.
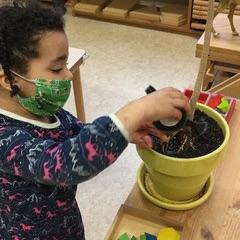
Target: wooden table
[(224, 53), (219, 217), (75, 59)]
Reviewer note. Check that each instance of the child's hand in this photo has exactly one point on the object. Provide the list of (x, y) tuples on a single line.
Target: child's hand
[(164, 103), (138, 115), (142, 136)]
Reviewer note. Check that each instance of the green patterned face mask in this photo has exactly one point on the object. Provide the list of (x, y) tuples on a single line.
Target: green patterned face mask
[(49, 96)]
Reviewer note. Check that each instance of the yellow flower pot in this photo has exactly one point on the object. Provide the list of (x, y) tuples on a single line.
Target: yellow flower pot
[(181, 179)]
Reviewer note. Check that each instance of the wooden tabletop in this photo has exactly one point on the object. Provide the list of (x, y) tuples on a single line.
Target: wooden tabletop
[(219, 217), (226, 47)]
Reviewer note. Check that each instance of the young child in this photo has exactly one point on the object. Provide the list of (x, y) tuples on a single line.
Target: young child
[(45, 151)]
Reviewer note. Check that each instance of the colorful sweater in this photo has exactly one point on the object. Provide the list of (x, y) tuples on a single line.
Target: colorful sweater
[(40, 166)]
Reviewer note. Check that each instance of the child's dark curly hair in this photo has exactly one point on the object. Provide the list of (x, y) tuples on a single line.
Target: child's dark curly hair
[(20, 32)]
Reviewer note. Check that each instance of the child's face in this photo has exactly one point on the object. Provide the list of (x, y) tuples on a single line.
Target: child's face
[(51, 63)]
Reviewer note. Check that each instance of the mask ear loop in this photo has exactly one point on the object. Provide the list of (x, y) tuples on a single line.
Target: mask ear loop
[(20, 76)]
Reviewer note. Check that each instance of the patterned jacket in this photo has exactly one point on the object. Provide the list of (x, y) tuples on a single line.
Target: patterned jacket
[(40, 166)]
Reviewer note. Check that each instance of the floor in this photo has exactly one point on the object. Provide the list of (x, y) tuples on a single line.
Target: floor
[(123, 61)]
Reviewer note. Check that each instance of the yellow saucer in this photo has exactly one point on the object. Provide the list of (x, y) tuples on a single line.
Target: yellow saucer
[(149, 193)]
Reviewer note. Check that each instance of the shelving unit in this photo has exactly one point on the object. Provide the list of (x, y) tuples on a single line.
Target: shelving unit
[(169, 15), (132, 13)]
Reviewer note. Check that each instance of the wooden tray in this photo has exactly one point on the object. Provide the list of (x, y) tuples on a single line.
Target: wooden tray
[(206, 97), (136, 222), (119, 8), (149, 13), (91, 6)]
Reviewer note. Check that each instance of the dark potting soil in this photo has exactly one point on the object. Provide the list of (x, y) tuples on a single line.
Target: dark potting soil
[(196, 138)]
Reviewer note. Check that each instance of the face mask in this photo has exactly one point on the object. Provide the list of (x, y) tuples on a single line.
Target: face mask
[(49, 96)]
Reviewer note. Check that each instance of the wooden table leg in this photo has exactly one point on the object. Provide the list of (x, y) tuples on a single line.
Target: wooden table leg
[(209, 76), (78, 95)]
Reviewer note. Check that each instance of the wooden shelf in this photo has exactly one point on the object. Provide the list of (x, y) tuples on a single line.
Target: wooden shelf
[(125, 12)]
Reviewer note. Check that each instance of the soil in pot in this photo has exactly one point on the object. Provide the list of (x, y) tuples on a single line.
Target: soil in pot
[(197, 138)]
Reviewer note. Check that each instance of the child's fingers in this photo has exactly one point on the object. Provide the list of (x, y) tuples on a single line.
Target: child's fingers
[(182, 104), (148, 141), (162, 136), (176, 113), (177, 94), (143, 141)]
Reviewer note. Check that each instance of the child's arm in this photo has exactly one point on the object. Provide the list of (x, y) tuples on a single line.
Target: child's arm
[(96, 147)]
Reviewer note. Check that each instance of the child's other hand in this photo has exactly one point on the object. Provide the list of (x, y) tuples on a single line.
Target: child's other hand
[(142, 136)]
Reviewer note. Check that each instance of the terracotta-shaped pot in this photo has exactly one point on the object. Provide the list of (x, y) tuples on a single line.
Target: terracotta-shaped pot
[(181, 179)]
